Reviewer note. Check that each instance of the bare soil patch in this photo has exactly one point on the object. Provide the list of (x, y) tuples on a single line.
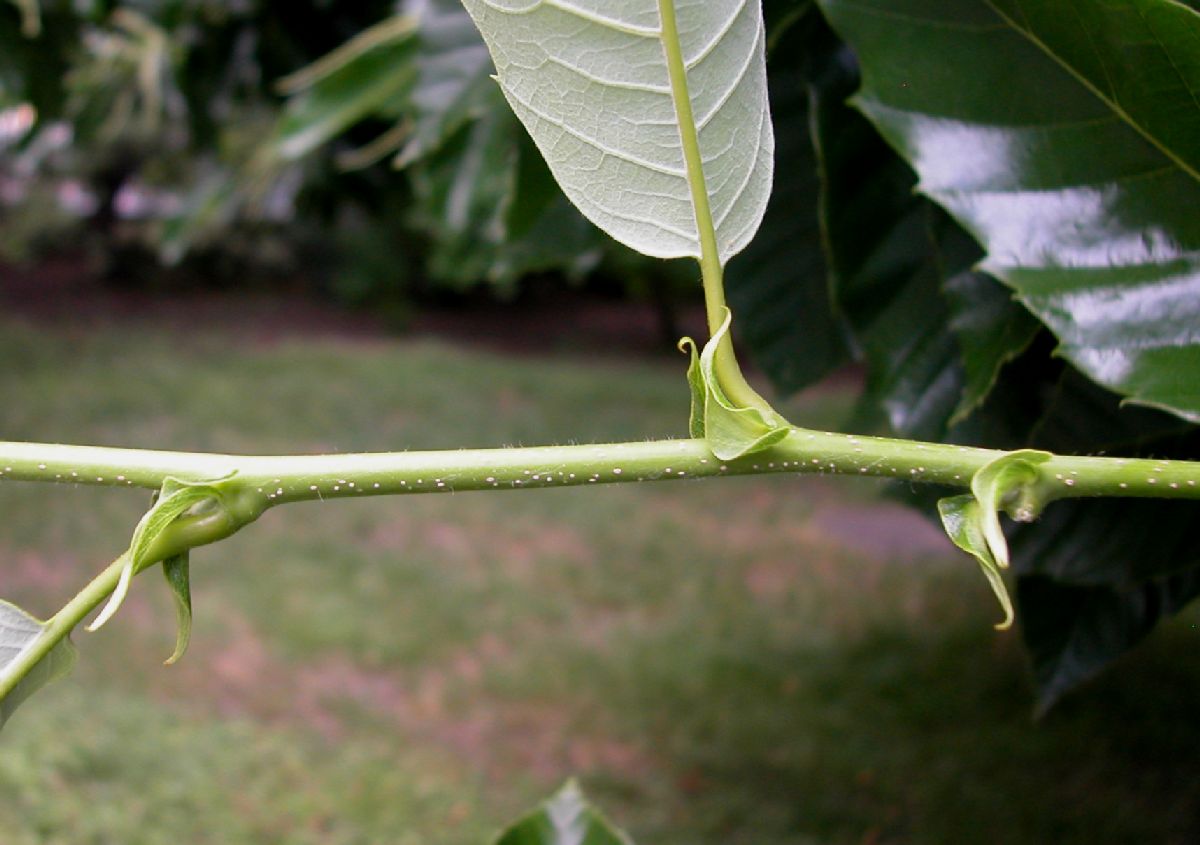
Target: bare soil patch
[(62, 291)]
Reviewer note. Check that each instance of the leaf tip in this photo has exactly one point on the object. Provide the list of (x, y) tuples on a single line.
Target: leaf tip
[(115, 600)]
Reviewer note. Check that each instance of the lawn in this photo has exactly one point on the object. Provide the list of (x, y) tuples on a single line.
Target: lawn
[(767, 661)]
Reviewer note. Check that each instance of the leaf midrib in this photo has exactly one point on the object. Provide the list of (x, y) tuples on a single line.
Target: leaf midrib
[(711, 270), (1100, 95)]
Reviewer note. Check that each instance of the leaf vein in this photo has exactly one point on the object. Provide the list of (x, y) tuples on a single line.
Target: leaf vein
[(623, 155), (570, 9), (742, 73)]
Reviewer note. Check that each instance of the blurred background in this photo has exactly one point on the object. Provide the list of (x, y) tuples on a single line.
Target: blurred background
[(255, 226)]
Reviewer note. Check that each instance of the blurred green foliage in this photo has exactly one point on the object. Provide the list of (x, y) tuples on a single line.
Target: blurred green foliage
[(269, 133)]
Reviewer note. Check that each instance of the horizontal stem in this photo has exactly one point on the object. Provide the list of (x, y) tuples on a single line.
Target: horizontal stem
[(291, 478), (259, 482)]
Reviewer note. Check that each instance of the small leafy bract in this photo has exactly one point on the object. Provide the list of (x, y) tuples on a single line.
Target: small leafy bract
[(731, 431), (963, 519), (1011, 482), (175, 499), (589, 79), (177, 571), (565, 819)]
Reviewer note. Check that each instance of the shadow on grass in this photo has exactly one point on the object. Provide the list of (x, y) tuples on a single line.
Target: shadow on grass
[(921, 735)]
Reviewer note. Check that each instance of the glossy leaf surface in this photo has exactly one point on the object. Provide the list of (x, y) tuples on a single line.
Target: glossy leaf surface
[(868, 269), (779, 286), (992, 329), (591, 83), (1073, 632), (1020, 121), (885, 274)]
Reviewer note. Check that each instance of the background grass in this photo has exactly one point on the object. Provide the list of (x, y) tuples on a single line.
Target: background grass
[(769, 661)]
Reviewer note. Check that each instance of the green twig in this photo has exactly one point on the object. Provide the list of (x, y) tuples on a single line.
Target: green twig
[(266, 481), (250, 484)]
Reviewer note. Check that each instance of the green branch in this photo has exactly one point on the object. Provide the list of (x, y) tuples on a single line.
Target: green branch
[(207, 497), (266, 481)]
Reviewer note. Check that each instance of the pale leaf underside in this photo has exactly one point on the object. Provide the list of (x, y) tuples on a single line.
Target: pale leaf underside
[(20, 632), (589, 80)]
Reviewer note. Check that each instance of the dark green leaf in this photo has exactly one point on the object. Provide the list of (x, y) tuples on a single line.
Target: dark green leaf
[(566, 819), (1072, 632), (18, 632), (1021, 125), (780, 16), (881, 245), (1102, 571), (779, 286), (991, 327), (1111, 541), (1140, 56), (1075, 415)]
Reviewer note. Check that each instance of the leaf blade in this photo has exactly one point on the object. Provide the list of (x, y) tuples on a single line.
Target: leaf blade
[(20, 632), (1084, 212), (1073, 631), (580, 97)]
